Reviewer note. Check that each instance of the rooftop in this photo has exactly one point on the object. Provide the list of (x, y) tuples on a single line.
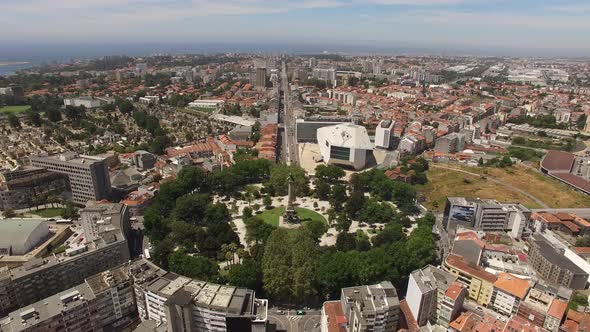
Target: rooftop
[(335, 316), (459, 263), (512, 285), (346, 135)]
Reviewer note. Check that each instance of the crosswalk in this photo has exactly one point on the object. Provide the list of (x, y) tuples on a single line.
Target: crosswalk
[(294, 318)]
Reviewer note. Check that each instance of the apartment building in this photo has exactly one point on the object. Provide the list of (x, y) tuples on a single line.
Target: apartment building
[(555, 315), (371, 307), (451, 143), (508, 292), (103, 302), (185, 304), (89, 176), (114, 297), (42, 277), (450, 304), (549, 261), (479, 283), (425, 287), (28, 187)]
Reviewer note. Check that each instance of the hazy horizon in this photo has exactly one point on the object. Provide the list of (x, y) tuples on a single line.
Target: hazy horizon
[(544, 28)]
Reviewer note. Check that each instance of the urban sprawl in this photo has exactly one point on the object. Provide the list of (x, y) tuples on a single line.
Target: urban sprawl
[(328, 192)]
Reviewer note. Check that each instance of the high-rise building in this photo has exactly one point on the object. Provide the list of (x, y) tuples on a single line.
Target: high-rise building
[(313, 62), (103, 302), (89, 176), (260, 78), (547, 257), (372, 308), (383, 134), (185, 304), (27, 187), (105, 248), (425, 287)]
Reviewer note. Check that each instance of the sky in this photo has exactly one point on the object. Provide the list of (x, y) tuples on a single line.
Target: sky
[(531, 26)]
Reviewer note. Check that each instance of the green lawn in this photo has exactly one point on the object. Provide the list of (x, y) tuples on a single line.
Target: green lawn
[(49, 213), (272, 216), (14, 109)]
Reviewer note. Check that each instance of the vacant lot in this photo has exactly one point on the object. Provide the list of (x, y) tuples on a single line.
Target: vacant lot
[(444, 183), (272, 216), (552, 192), (14, 109)]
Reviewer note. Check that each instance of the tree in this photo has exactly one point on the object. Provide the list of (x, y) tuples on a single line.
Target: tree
[(257, 231), (329, 173), (338, 196), (581, 122), (248, 274), (191, 208), (322, 190), (288, 265), (343, 223), (247, 213), (316, 228), (53, 114), (276, 265), (279, 180), (35, 118), (267, 201), (13, 121), (196, 267), (392, 233), (354, 204), (376, 212), (70, 211), (345, 241)]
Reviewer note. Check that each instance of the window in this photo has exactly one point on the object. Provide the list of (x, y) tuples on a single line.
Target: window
[(337, 152)]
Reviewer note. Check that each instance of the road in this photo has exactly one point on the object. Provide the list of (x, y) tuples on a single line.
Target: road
[(291, 151), (290, 322), (502, 183)]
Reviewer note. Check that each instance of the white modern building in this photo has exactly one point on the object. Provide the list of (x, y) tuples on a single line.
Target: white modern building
[(210, 104), (19, 236), (383, 134), (344, 144), (87, 102)]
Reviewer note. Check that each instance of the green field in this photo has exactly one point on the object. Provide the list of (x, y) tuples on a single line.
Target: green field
[(50, 213), (14, 109), (272, 216)]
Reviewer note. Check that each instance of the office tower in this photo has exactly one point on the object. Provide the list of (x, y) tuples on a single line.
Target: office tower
[(260, 77), (89, 176)]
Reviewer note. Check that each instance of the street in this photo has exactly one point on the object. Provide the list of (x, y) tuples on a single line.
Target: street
[(289, 321), (291, 153)]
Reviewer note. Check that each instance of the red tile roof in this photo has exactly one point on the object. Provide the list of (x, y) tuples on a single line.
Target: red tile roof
[(335, 316), (557, 309), (512, 285)]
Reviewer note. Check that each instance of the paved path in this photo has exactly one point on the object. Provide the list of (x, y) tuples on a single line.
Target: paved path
[(502, 183)]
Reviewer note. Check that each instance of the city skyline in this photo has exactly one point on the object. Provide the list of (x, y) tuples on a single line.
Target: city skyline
[(498, 27)]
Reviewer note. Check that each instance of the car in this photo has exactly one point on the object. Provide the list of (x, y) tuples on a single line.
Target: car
[(300, 312), (280, 312), (479, 309)]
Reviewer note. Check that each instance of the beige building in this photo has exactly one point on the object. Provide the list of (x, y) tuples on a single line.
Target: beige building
[(479, 283)]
